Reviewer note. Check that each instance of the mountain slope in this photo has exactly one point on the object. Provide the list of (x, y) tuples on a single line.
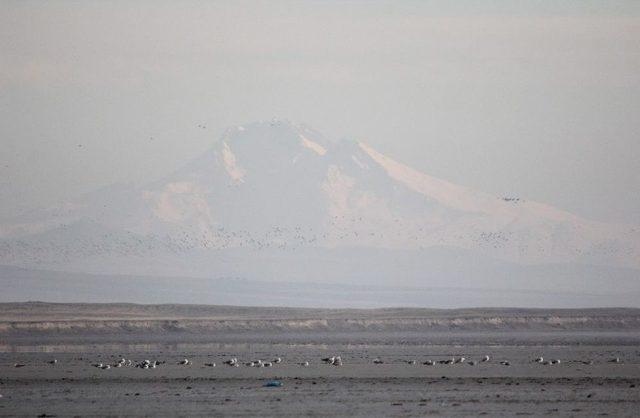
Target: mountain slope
[(270, 193)]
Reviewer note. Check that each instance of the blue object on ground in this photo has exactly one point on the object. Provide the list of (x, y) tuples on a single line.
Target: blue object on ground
[(273, 384)]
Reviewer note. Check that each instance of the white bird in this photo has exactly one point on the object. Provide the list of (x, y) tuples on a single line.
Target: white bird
[(412, 362), (429, 363), (473, 363), (615, 360), (505, 363), (278, 360), (105, 367), (305, 364), (185, 362), (555, 361), (267, 364), (377, 361), (54, 361), (486, 358), (337, 361), (539, 360)]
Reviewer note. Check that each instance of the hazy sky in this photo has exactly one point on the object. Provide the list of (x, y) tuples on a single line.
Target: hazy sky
[(539, 99)]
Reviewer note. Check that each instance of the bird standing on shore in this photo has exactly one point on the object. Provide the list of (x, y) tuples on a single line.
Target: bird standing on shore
[(231, 362)]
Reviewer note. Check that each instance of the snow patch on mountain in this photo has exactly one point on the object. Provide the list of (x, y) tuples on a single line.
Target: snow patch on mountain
[(446, 193), (314, 146), (236, 172), (180, 202), (338, 188)]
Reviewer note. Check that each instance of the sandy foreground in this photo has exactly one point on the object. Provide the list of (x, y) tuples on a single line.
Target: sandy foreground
[(585, 383)]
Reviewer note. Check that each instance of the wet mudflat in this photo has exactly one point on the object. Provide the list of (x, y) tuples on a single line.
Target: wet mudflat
[(584, 383)]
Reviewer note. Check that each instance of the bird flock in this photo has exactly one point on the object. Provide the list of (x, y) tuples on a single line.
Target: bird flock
[(231, 362), (335, 360), (458, 360)]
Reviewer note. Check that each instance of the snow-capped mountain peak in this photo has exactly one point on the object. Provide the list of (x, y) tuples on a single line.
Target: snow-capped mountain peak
[(270, 187)]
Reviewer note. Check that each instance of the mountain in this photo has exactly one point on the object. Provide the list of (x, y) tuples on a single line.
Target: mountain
[(277, 201)]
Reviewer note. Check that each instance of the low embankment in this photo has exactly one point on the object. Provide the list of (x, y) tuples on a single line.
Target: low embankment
[(34, 319)]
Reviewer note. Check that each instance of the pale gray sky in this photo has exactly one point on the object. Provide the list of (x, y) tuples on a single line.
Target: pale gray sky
[(539, 99)]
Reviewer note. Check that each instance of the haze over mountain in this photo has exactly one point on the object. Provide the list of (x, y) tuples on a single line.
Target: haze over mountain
[(277, 201)]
